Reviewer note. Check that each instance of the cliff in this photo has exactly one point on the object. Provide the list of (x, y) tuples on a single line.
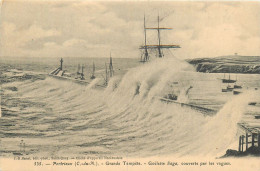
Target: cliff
[(228, 64)]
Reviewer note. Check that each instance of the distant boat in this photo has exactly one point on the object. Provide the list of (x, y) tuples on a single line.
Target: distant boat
[(236, 92), (106, 78), (237, 86), (111, 69), (61, 74), (257, 116), (228, 89), (224, 90), (78, 71), (224, 80), (80, 75), (171, 96), (109, 73), (252, 103), (93, 72), (228, 81)]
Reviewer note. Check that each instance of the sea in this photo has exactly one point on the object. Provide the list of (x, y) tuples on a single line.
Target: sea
[(45, 116)]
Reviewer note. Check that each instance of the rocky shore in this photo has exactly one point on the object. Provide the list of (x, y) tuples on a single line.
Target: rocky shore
[(227, 64), (252, 151)]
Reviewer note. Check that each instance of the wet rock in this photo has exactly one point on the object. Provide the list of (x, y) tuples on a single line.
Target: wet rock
[(12, 88)]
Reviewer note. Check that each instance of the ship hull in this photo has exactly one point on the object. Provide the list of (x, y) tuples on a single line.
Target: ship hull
[(83, 82), (236, 92), (237, 87), (228, 81)]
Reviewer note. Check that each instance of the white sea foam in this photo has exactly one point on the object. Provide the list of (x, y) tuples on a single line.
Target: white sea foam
[(126, 118)]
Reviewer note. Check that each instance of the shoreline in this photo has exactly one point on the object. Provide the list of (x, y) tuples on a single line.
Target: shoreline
[(227, 64)]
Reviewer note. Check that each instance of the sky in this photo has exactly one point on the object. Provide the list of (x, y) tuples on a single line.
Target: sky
[(94, 28)]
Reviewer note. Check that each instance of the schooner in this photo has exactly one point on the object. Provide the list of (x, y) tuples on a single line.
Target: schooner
[(145, 55)]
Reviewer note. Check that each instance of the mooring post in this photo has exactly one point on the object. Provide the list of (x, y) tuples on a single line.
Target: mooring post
[(242, 143), (239, 146), (246, 141), (253, 139), (258, 140), (21, 145), (24, 147)]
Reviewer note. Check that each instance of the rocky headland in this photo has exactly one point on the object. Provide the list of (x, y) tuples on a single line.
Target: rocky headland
[(228, 64)]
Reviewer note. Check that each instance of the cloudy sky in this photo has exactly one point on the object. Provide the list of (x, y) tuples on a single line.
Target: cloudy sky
[(92, 29)]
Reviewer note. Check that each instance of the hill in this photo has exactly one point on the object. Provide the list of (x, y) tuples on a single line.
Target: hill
[(228, 64)]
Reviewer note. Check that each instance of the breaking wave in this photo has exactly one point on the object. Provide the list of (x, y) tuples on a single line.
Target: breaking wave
[(127, 118)]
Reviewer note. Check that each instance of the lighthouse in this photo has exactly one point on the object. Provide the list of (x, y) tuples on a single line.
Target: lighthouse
[(61, 61)]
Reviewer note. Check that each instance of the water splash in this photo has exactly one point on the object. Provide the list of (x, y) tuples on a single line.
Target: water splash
[(220, 131), (125, 119)]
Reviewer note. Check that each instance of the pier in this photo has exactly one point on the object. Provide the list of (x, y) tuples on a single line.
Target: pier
[(250, 137), (203, 110)]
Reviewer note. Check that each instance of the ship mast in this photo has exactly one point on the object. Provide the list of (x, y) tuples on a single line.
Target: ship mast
[(229, 73), (82, 74), (78, 69), (93, 73), (146, 58), (159, 39), (106, 79), (159, 46), (111, 70)]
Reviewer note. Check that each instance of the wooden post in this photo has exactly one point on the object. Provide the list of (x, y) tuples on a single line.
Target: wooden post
[(253, 139), (21, 146), (239, 146), (242, 143), (246, 141), (258, 140), (24, 147)]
